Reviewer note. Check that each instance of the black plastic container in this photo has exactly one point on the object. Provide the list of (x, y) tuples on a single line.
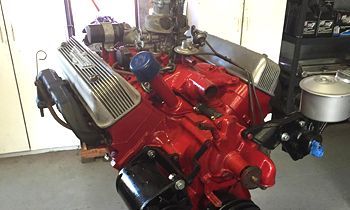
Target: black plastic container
[(301, 20), (309, 18), (310, 25), (326, 20), (342, 26)]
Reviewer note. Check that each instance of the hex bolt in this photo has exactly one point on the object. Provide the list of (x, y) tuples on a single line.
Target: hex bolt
[(107, 157), (113, 163), (151, 153), (285, 137), (171, 177), (64, 44), (255, 179), (94, 78), (180, 184)]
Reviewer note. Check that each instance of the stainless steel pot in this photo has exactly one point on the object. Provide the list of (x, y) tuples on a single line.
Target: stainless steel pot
[(325, 98)]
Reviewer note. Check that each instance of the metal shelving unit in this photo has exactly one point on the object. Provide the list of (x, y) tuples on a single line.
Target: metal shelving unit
[(301, 56)]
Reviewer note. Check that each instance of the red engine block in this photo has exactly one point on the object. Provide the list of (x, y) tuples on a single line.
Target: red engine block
[(174, 124)]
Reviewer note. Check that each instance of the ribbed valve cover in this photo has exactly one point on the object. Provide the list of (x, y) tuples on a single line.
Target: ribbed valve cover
[(106, 95)]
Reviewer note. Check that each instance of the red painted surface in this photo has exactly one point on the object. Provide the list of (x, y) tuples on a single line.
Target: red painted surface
[(173, 126), (108, 56), (160, 88)]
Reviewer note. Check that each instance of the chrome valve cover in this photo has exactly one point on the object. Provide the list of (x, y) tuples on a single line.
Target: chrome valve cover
[(106, 95), (264, 72)]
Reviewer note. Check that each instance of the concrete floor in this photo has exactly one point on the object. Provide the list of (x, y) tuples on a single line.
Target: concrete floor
[(59, 181)]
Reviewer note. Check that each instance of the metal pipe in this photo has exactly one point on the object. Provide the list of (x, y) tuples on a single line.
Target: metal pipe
[(137, 19), (69, 18)]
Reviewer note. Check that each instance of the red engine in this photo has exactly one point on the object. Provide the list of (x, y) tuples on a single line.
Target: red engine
[(196, 116), (192, 138), (183, 133)]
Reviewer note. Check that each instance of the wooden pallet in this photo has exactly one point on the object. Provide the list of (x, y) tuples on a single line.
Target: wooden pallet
[(90, 155)]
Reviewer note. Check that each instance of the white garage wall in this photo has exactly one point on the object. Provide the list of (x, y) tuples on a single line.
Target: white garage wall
[(32, 26), (255, 24), (222, 18), (263, 26)]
